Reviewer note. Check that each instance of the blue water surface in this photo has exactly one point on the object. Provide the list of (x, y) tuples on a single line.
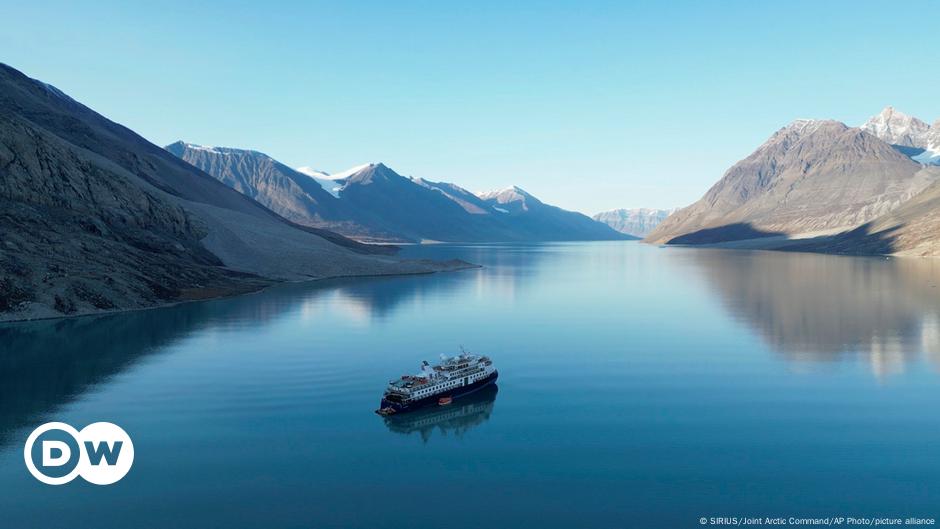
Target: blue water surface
[(639, 387)]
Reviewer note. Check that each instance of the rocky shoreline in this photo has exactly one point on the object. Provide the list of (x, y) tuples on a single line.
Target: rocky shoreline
[(35, 312)]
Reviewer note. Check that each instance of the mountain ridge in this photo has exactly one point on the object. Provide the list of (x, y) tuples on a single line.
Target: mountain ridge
[(638, 222), (409, 209), (295, 196)]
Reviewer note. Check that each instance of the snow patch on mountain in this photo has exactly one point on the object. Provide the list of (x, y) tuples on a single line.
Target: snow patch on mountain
[(332, 183), (351, 171), (206, 148), (504, 196), (327, 181), (312, 172), (225, 151), (929, 157)]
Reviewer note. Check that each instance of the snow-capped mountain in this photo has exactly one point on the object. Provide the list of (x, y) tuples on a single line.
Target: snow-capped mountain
[(420, 209), (911, 136), (303, 198), (328, 182), (512, 199), (333, 183), (810, 176), (374, 203), (877, 184), (897, 128), (352, 170), (542, 221), (638, 222)]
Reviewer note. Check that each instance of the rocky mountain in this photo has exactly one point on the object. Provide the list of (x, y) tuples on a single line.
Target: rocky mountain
[(810, 176), (310, 199), (441, 211), (911, 229), (539, 221), (638, 222), (424, 210), (468, 201), (897, 128), (419, 212), (95, 218), (373, 202)]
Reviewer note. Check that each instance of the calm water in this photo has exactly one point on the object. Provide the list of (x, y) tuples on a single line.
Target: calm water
[(639, 386)]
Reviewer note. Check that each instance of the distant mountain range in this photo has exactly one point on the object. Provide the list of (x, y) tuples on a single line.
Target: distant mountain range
[(96, 218), (374, 203), (833, 187), (638, 222)]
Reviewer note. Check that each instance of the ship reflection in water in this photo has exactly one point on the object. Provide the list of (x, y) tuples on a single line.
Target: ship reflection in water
[(464, 414), (690, 377)]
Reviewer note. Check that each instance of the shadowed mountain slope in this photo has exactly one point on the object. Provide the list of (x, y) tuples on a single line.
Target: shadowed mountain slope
[(414, 211), (94, 218), (373, 202), (540, 221), (912, 229), (289, 193)]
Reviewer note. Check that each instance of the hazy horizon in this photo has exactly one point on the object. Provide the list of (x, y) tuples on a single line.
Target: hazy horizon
[(652, 105)]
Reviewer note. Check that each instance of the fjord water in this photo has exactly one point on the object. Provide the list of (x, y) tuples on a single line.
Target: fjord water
[(639, 386)]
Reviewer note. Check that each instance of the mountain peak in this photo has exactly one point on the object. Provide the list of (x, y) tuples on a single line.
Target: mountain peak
[(508, 194), (806, 126), (372, 172), (512, 199), (897, 128), (351, 171), (796, 130), (179, 146), (803, 123)]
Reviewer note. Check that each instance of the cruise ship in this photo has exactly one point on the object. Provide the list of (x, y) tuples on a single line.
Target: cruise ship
[(465, 414), (439, 384)]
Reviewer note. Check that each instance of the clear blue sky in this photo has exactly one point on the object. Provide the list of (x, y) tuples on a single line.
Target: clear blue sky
[(587, 105)]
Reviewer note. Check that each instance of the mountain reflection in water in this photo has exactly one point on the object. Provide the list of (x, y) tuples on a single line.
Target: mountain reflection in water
[(824, 308), (464, 414), (638, 385), (45, 364)]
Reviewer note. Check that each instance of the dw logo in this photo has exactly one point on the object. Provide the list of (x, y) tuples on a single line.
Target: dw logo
[(102, 453)]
